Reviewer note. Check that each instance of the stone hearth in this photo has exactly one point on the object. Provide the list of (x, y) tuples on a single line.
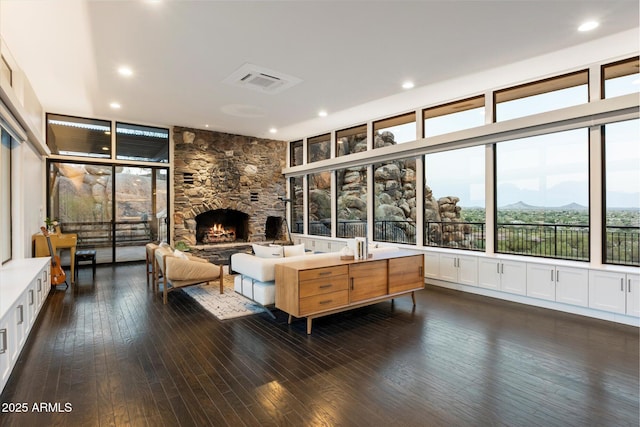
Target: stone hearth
[(218, 171)]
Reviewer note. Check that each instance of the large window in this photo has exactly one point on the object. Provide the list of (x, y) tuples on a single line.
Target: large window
[(319, 148), (622, 193), (76, 136), (395, 201), (351, 200), (454, 116), (394, 130), (542, 195), (114, 209), (454, 200), (5, 196), (319, 209), (621, 78), (352, 140), (541, 96), (144, 143)]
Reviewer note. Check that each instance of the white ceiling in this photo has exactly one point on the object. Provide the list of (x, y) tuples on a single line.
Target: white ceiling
[(347, 53)]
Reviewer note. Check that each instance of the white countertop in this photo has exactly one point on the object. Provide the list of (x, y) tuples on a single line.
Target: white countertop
[(15, 277)]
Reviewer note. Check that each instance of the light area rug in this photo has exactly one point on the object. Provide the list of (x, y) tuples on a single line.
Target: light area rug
[(229, 305)]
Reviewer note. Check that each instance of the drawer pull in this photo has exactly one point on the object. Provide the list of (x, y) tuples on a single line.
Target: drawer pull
[(324, 273), (327, 301), (31, 299), (420, 272), (39, 285), (21, 308), (4, 340), (328, 285)]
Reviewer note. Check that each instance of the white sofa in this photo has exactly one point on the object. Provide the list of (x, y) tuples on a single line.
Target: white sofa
[(256, 278)]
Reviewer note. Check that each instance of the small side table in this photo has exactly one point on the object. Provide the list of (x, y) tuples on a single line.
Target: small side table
[(86, 255)]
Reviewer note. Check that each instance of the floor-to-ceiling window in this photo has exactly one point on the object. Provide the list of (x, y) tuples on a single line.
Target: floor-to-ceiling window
[(95, 191), (542, 195), (351, 202), (395, 201), (540, 175), (454, 199), (319, 208), (622, 193)]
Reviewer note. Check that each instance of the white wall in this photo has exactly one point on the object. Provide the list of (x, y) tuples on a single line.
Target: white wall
[(28, 196)]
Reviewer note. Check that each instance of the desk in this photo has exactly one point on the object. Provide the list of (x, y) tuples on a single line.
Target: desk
[(58, 241)]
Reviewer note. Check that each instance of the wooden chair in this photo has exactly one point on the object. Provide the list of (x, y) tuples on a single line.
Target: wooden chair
[(178, 272)]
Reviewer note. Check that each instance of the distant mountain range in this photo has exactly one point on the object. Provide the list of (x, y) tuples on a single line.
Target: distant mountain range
[(524, 206)]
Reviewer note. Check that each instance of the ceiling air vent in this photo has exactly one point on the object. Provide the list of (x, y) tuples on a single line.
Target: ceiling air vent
[(261, 79)]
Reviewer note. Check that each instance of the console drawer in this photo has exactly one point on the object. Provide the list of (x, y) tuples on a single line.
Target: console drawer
[(323, 273), (323, 302), (324, 285)]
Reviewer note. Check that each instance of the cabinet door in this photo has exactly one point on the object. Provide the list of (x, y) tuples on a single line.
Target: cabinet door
[(7, 335), (449, 267), (606, 291), (432, 265), (367, 280), (19, 315), (468, 270), (633, 294), (541, 281), (406, 273), (572, 286), (489, 273), (513, 277)]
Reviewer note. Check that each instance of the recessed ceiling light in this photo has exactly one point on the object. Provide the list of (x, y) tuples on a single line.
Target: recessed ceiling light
[(408, 85), (206, 125), (588, 26), (125, 71), (322, 113), (273, 130), (115, 105)]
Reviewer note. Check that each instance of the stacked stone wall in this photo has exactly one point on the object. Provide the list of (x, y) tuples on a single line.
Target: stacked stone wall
[(215, 170)]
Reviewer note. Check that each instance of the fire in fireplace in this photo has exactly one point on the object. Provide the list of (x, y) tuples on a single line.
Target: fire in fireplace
[(219, 234), (222, 226)]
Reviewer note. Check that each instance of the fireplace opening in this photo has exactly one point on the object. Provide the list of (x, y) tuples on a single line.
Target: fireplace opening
[(222, 226)]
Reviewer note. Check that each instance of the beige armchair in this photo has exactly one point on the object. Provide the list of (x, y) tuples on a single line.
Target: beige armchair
[(179, 272)]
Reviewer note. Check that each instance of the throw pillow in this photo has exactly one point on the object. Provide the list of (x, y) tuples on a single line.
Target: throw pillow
[(180, 254), (294, 250), (267, 251)]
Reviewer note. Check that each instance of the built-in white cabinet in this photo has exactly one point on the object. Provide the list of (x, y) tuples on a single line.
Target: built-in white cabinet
[(568, 285), (24, 286), (615, 292), (461, 269), (503, 275), (431, 265)]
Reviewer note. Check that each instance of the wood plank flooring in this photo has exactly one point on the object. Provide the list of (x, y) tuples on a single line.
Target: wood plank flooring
[(118, 357)]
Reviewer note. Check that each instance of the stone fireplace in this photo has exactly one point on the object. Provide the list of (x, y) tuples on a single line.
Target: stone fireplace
[(225, 189)]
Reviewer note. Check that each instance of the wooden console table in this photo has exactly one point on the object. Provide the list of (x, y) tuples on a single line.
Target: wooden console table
[(318, 287)]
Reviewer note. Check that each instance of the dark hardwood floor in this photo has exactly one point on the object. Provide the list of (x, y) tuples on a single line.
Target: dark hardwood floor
[(115, 355)]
